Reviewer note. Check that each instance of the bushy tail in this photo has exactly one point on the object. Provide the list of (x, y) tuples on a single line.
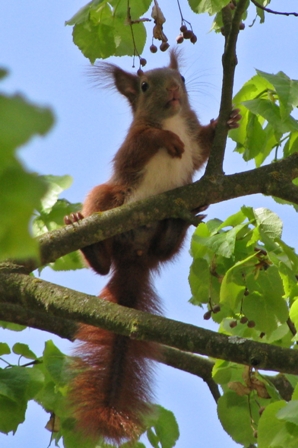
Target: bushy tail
[(111, 389)]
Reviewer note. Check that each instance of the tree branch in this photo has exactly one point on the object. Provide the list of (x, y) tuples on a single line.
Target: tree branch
[(17, 314), (35, 294), (194, 364), (264, 8), (66, 328), (274, 179), (229, 62)]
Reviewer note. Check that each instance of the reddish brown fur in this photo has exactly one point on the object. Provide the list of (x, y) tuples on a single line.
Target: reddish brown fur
[(112, 366), (111, 388)]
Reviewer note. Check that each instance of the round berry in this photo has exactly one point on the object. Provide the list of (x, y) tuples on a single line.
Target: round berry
[(179, 39), (207, 315), (233, 323), (140, 72), (143, 62), (243, 320), (241, 26), (193, 38), (164, 46), (183, 28), (153, 48), (251, 324), (216, 309), (187, 34)]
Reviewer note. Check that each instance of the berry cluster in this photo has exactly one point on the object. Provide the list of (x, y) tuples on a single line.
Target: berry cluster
[(186, 34), (232, 5), (243, 320), (213, 309)]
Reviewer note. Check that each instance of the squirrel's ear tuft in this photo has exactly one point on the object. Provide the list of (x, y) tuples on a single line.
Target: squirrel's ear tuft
[(175, 58), (107, 75)]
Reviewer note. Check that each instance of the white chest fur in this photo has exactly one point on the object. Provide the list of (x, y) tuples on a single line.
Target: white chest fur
[(164, 172)]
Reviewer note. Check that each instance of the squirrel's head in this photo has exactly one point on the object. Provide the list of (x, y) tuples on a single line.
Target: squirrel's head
[(154, 94)]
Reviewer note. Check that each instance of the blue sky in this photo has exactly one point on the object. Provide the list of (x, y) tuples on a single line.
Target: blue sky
[(90, 125)]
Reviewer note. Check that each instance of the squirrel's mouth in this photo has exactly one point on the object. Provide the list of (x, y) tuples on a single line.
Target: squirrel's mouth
[(174, 103)]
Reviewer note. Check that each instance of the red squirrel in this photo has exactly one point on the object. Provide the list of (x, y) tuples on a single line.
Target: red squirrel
[(164, 146)]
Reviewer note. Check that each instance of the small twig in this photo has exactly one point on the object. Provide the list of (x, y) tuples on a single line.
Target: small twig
[(190, 363), (271, 11), (291, 327)]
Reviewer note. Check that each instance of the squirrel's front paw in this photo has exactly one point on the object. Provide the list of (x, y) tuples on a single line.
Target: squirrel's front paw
[(73, 217), (174, 145), (235, 117), (233, 121)]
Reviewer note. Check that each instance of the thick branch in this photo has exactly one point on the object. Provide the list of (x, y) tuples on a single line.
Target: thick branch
[(274, 179), (66, 328), (17, 314), (33, 293), (194, 364)]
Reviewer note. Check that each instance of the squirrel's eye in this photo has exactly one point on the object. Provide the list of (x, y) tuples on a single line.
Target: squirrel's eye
[(183, 79), (144, 86)]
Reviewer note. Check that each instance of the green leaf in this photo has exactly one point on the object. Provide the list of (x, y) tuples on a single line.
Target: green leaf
[(83, 13), (17, 386), (291, 145), (234, 414), (294, 313), (123, 38), (18, 383), (200, 281), (223, 372), (289, 413), (209, 6), (12, 413), (266, 97), (233, 284), (55, 363), (269, 222), (271, 112), (56, 184), (276, 433), (101, 30), (3, 73), (23, 350), (165, 427), (233, 220), (222, 243), (51, 217), (137, 8), (20, 193), (69, 262), (265, 304), (153, 439), (286, 88), (4, 349), (94, 41), (11, 326), (19, 121)]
